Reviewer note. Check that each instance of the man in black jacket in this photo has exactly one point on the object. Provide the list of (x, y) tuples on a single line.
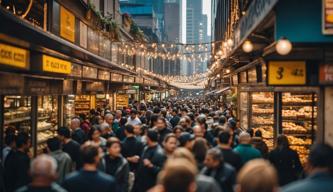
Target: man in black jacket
[(17, 164), (175, 118), (78, 134), (162, 128), (131, 148), (115, 164), (222, 172), (152, 161)]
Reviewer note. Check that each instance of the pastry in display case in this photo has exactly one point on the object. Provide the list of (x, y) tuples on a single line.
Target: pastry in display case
[(299, 114), (101, 101), (17, 113), (82, 104), (47, 120), (263, 115), (244, 110)]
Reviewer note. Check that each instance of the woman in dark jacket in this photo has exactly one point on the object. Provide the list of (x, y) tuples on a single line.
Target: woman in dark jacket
[(259, 144), (286, 161)]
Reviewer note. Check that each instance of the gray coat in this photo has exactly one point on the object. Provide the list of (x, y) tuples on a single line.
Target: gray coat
[(65, 164)]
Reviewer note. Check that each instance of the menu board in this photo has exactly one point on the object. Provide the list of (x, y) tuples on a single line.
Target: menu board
[(76, 70), (326, 74), (67, 24), (89, 72), (116, 77), (327, 17), (83, 34), (121, 101), (103, 75), (93, 40)]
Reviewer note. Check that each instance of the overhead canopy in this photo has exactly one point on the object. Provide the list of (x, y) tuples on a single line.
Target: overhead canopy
[(222, 90)]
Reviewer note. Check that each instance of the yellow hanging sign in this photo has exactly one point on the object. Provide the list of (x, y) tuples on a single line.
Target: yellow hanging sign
[(14, 56), (286, 73), (55, 65), (67, 24)]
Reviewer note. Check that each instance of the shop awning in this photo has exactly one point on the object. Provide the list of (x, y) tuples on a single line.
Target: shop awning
[(210, 92), (39, 40), (223, 90)]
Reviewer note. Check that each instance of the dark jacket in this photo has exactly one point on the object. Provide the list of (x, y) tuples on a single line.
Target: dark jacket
[(79, 136), (232, 158), (321, 182), (72, 148), (287, 164), (118, 168), (174, 120), (164, 132), (130, 147), (146, 176), (225, 175), (259, 144), (53, 188), (16, 170)]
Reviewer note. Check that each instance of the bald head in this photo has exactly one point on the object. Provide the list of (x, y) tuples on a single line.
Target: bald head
[(198, 131), (43, 166), (244, 138)]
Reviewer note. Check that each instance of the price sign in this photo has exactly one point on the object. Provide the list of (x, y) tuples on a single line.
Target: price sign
[(286, 73)]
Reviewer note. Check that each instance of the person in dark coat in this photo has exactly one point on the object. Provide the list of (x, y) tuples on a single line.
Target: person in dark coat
[(115, 164), (175, 118), (229, 156), (131, 148), (89, 178), (70, 146), (152, 161), (17, 164), (222, 172), (259, 144), (319, 171), (286, 161), (78, 134), (162, 128)]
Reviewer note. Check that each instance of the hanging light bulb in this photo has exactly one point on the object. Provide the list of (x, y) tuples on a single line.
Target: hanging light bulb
[(247, 46), (219, 53), (283, 46), (163, 45)]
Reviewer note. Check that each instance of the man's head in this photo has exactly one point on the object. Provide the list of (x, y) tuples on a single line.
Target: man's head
[(320, 158), (170, 143), (105, 128), (198, 131), (222, 120), (75, 123), (224, 138), (214, 158), (161, 123), (109, 118), (178, 175), (152, 137), (244, 138), (174, 112), (118, 114), (44, 167), (186, 140), (114, 147), (265, 179), (23, 141), (10, 140), (90, 153), (53, 144), (64, 133), (129, 130)]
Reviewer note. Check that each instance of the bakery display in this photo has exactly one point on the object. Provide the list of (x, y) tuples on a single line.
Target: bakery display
[(82, 104)]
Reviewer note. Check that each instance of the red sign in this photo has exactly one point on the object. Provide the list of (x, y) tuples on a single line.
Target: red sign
[(326, 74)]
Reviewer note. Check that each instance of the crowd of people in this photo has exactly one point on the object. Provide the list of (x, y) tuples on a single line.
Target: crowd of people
[(172, 146)]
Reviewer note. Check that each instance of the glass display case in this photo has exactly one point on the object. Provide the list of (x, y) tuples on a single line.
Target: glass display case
[(69, 109), (244, 110), (17, 114), (263, 115), (82, 104), (47, 120), (299, 114)]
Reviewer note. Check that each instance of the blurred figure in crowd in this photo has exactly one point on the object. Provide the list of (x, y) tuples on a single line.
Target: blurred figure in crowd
[(186, 140), (259, 144), (170, 144), (245, 149), (94, 135), (43, 171), (162, 129), (199, 150), (78, 134)]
